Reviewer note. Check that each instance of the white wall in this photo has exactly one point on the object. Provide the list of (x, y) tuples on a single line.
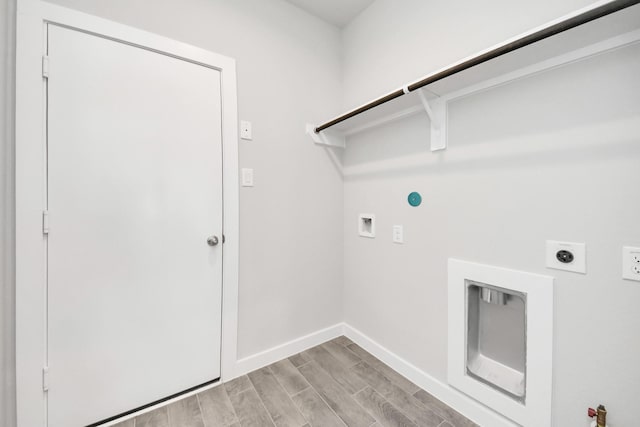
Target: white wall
[(7, 289), (495, 189), (551, 157), (392, 43), (288, 74)]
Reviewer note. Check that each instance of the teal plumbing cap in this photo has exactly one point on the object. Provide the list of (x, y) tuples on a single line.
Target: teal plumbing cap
[(414, 199)]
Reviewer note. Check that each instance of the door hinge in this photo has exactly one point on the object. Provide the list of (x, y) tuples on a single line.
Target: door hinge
[(45, 378), (45, 222), (45, 66)]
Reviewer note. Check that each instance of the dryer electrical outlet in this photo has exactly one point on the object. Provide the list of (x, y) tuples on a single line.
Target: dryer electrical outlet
[(567, 256)]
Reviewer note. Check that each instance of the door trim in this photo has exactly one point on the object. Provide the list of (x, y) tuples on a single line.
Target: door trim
[(31, 263)]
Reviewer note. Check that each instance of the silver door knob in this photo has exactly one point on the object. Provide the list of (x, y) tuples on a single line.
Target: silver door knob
[(212, 241)]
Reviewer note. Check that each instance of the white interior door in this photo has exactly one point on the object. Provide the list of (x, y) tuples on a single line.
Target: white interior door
[(134, 191)]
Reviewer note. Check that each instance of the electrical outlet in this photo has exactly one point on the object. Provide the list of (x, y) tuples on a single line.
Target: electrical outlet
[(398, 234), (567, 256), (631, 263)]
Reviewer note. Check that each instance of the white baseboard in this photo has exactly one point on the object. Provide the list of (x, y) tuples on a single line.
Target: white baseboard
[(282, 351), (462, 403), (467, 406)]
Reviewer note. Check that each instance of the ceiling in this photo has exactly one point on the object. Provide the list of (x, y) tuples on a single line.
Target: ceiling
[(336, 12)]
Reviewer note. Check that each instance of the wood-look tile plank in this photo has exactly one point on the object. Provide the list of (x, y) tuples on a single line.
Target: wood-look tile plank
[(299, 359), (289, 377), (342, 340), (340, 373), (281, 408), (128, 423), (238, 385), (250, 410), (319, 386), (398, 379), (342, 353), (316, 410), (156, 418), (383, 411), (442, 409), (216, 407), (405, 402), (336, 397), (185, 413)]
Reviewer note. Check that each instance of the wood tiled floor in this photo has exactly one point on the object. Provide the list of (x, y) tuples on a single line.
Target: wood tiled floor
[(334, 384)]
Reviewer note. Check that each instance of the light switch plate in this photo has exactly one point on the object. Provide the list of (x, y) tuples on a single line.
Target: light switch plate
[(245, 130), (631, 263), (578, 251), (247, 177)]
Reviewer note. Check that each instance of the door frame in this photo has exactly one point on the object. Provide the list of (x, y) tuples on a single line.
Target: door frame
[(31, 250)]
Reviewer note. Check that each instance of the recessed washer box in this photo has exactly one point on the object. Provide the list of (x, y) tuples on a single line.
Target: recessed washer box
[(500, 339)]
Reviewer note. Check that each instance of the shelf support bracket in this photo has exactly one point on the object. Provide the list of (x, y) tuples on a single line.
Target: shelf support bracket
[(437, 112), (326, 137)]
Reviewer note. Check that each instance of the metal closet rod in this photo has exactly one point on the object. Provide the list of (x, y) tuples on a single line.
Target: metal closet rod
[(547, 32)]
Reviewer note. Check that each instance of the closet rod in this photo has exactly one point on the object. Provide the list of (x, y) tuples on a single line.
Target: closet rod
[(542, 34)]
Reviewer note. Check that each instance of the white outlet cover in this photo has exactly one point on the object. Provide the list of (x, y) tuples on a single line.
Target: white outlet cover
[(398, 234), (579, 251), (631, 263)]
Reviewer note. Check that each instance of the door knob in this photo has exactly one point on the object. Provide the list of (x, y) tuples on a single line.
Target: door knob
[(212, 240)]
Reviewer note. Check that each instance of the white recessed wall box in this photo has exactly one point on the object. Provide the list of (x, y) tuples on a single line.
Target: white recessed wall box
[(367, 225), (501, 339)]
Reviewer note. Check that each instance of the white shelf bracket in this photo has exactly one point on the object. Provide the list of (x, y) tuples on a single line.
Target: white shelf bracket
[(437, 112), (326, 137)]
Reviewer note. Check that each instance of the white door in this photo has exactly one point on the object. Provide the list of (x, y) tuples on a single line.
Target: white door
[(134, 191)]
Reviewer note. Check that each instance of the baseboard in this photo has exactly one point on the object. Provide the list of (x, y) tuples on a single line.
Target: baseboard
[(282, 351), (467, 406)]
